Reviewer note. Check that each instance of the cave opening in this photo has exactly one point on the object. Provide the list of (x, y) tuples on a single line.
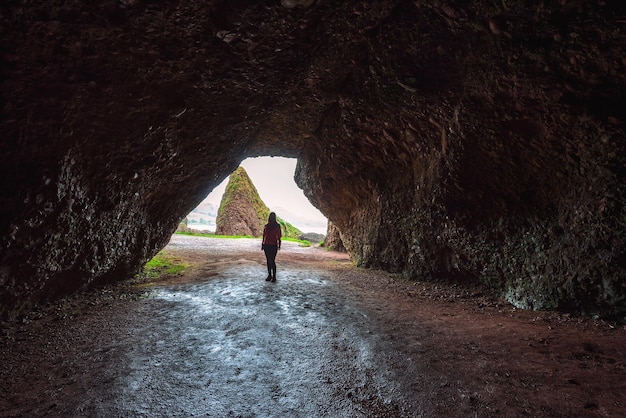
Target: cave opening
[(273, 178)]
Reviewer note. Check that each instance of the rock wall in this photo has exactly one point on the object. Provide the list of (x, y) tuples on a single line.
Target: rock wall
[(478, 141), (483, 143), (332, 241)]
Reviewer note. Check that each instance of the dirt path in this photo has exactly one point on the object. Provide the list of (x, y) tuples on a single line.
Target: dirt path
[(327, 339)]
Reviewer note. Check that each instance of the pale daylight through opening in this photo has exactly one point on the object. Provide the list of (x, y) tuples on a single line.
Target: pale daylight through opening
[(273, 179)]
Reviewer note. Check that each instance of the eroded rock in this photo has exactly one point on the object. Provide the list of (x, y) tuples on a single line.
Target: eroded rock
[(479, 142), (243, 212)]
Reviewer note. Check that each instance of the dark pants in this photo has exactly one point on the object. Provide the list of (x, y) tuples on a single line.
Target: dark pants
[(270, 256)]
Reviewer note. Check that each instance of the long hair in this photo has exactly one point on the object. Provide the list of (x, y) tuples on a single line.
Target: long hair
[(271, 221)]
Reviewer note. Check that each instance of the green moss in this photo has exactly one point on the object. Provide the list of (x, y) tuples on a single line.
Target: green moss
[(289, 231), (302, 242), (162, 265)]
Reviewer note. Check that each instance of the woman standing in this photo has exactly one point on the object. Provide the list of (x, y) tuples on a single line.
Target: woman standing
[(271, 244)]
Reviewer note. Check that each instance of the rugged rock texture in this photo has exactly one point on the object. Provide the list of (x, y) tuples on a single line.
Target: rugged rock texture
[(333, 238), (445, 139), (242, 212), (482, 142), (312, 237)]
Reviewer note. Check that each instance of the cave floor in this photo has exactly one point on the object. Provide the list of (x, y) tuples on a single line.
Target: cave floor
[(327, 339)]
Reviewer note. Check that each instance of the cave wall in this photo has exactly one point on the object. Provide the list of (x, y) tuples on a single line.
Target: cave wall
[(476, 141), (484, 143), (107, 141)]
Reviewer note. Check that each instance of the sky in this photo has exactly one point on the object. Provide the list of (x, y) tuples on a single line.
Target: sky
[(273, 179)]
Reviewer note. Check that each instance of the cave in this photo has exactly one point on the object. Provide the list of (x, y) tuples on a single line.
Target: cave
[(476, 142)]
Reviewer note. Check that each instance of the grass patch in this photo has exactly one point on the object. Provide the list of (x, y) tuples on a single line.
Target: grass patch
[(303, 243), (161, 266)]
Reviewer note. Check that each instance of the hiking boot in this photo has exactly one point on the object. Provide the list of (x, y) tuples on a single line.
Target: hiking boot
[(274, 279), (269, 279)]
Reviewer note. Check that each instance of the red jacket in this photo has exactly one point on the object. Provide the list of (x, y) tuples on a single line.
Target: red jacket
[(272, 235)]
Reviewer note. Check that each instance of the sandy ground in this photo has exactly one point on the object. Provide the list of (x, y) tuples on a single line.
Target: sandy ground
[(327, 339)]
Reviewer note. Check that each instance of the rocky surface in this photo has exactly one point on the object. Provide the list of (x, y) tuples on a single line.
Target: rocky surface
[(475, 141), (243, 212), (327, 339), (333, 238), (312, 237)]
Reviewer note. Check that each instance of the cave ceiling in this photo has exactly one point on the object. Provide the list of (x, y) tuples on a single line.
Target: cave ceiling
[(475, 141)]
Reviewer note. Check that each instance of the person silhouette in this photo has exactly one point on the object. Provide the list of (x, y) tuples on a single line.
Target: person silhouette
[(271, 244)]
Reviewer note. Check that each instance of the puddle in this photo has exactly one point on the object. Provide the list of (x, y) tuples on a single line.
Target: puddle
[(228, 344)]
